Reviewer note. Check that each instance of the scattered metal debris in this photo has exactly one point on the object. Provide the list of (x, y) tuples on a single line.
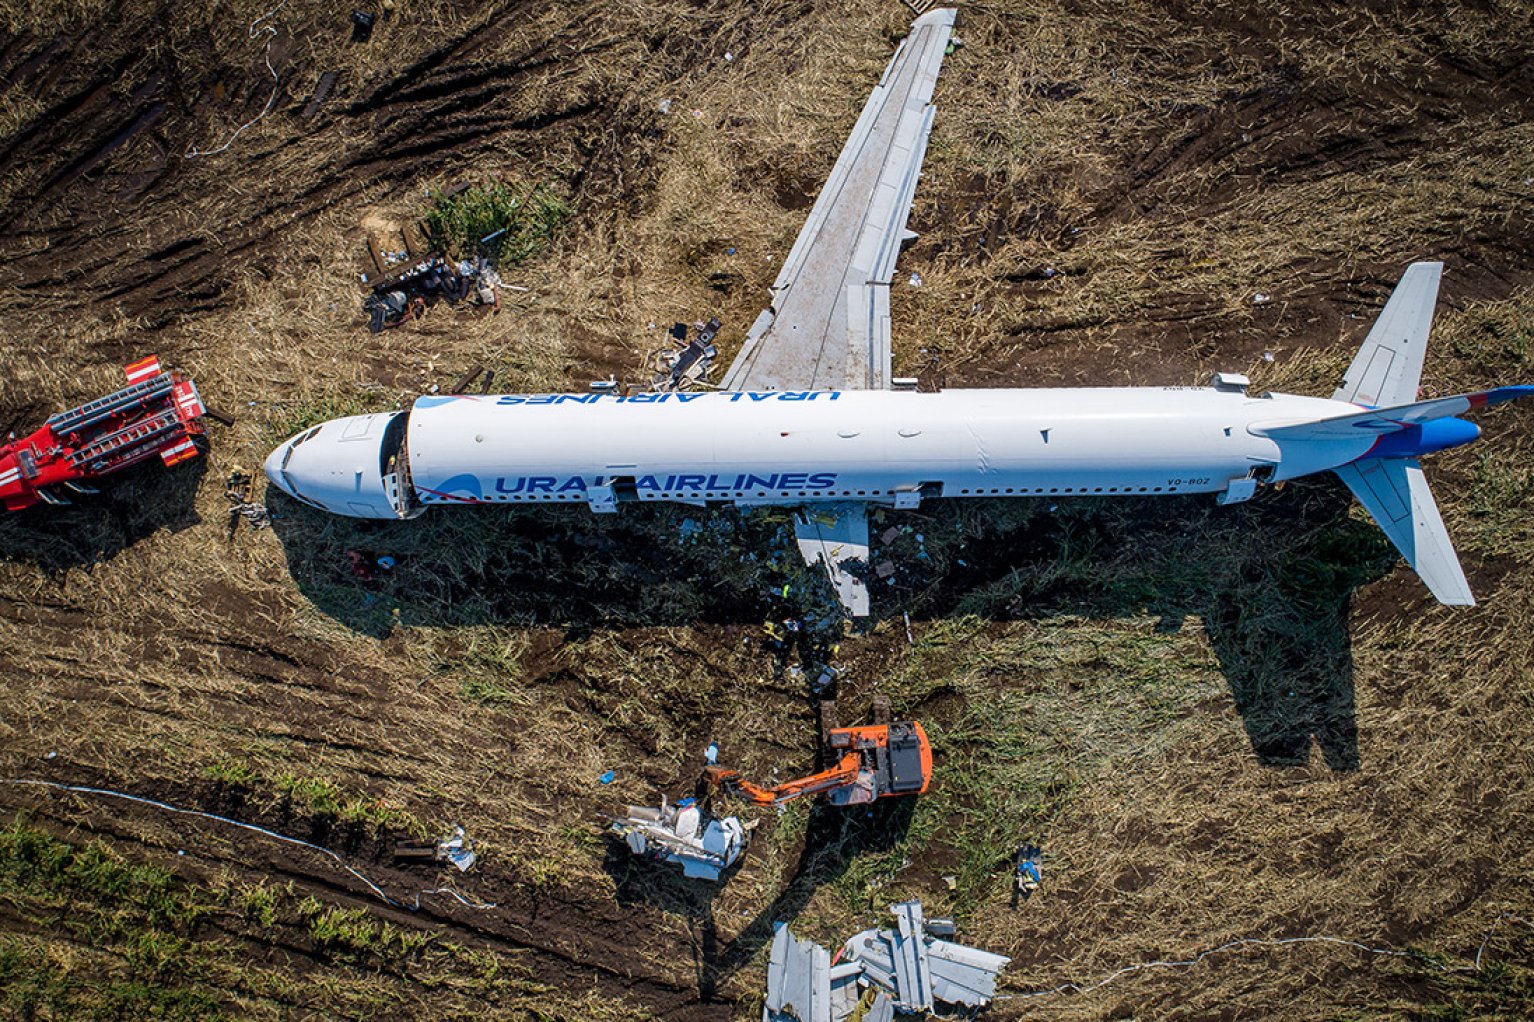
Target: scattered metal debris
[(879, 972), (405, 294), (689, 364), (803, 984), (704, 846), (456, 849), (920, 970), (237, 491)]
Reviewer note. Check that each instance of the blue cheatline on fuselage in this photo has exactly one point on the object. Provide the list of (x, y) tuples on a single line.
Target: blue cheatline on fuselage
[(467, 486), (674, 397)]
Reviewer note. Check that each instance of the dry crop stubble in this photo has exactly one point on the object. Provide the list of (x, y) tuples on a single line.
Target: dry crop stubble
[(1117, 743)]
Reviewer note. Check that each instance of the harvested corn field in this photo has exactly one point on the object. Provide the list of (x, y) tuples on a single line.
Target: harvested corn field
[(1222, 724)]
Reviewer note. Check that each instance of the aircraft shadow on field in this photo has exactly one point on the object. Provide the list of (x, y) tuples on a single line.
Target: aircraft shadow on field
[(1271, 580), (98, 527), (834, 838), (649, 564)]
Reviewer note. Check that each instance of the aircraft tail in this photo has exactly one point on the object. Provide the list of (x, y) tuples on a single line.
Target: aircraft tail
[(1396, 493), (1393, 419), (1388, 481), (1388, 367)]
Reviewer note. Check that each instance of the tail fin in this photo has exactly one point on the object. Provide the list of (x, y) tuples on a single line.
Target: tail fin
[(1388, 367), (1388, 420), (1395, 492), (1388, 481)]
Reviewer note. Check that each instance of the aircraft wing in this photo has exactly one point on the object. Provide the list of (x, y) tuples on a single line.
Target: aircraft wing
[(828, 327)]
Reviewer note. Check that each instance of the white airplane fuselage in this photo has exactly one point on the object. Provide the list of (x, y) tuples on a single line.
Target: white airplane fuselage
[(798, 447)]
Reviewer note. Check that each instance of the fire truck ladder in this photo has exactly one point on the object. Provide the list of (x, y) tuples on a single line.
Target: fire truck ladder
[(103, 408), (123, 446)]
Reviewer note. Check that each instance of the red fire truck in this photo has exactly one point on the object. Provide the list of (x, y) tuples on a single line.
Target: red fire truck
[(158, 413)]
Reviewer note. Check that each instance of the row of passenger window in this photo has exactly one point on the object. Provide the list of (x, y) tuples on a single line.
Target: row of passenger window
[(736, 495), (1069, 489)]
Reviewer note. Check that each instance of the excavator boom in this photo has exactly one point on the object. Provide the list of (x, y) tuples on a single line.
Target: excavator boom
[(875, 761), (781, 794)]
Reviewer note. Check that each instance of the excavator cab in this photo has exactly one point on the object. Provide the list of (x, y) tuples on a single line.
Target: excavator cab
[(883, 760), (892, 759)]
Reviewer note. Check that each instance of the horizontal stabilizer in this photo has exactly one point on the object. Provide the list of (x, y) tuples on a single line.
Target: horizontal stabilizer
[(1396, 493), (1388, 420), (1387, 368)]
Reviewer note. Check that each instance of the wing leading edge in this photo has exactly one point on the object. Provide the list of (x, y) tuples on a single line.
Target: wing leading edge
[(828, 327)]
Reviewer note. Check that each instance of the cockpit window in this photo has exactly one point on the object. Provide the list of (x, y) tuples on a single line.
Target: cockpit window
[(303, 438)]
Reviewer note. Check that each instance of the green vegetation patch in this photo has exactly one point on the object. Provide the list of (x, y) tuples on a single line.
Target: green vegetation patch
[(529, 216), (93, 936), (316, 796), (1499, 989), (1020, 716), (119, 936)]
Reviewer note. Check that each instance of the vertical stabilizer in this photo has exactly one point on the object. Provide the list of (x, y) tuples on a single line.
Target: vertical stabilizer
[(1387, 368), (1395, 492)]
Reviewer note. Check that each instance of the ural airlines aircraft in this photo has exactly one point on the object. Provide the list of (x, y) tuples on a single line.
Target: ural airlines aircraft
[(806, 416)]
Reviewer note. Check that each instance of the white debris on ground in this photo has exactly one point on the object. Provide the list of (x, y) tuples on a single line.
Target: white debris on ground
[(457, 849), (906, 969), (483, 278), (704, 846)]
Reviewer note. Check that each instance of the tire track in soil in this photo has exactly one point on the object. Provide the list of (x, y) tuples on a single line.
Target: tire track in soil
[(578, 943), (85, 150), (547, 941)]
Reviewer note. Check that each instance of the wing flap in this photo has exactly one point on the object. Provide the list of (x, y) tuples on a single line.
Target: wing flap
[(830, 534)]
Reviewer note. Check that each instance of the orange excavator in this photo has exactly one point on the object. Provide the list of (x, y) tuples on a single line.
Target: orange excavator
[(880, 760)]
